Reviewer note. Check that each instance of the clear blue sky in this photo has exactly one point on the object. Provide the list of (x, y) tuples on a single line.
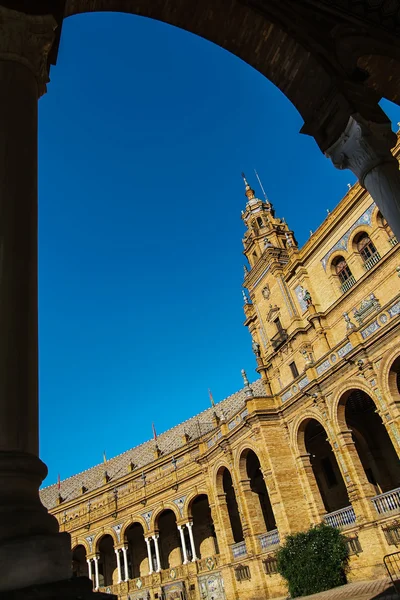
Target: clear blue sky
[(144, 132)]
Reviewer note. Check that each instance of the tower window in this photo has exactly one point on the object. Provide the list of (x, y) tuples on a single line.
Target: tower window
[(260, 222), (294, 369)]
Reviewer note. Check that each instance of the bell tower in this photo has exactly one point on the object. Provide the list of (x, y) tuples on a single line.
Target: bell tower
[(263, 229)]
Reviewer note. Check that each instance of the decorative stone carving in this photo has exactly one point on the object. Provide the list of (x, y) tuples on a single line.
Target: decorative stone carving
[(256, 348), (349, 325), (365, 148), (147, 517), (27, 39), (367, 306), (180, 503), (266, 292), (117, 529)]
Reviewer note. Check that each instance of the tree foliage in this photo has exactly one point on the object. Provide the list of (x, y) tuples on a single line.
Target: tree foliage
[(314, 560)]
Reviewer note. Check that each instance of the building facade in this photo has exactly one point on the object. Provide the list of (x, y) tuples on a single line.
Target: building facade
[(199, 512)]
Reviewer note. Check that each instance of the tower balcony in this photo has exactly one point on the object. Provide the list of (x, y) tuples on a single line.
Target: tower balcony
[(279, 339)]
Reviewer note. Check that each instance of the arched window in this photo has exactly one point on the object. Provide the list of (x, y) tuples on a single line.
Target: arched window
[(342, 270), (367, 250), (260, 222), (385, 225)]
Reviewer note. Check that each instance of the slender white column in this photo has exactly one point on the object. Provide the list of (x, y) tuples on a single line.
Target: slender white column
[(96, 572), (364, 148), (183, 542), (155, 538), (189, 525), (125, 553), (148, 543), (89, 562), (118, 564)]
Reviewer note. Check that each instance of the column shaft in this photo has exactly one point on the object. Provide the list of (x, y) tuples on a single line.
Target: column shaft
[(31, 549), (183, 542), (96, 573), (89, 562), (148, 544), (118, 564), (155, 538), (190, 529), (125, 553)]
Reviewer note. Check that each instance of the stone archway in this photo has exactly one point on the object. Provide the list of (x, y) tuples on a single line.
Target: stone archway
[(205, 538), (339, 111), (373, 444)]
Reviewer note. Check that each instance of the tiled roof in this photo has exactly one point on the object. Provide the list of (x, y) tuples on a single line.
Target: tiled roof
[(142, 455)]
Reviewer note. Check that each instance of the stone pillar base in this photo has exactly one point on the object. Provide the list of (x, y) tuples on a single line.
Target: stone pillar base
[(32, 552), (36, 560), (78, 588)]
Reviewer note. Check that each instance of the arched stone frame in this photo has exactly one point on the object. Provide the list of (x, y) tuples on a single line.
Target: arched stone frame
[(134, 519), (388, 385), (74, 546), (259, 521), (312, 67), (187, 516), (220, 501), (156, 515), (363, 489), (331, 274), (100, 535), (81, 542), (309, 483)]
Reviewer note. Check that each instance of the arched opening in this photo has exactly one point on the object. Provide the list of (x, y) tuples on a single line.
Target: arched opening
[(325, 468), (138, 563), (79, 564), (107, 561), (342, 271), (394, 380), (169, 542), (232, 505), (205, 538), (366, 249), (262, 513), (375, 449)]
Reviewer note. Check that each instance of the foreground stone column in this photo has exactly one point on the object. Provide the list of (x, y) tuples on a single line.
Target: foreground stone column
[(31, 549), (125, 553), (365, 148), (189, 525), (155, 539)]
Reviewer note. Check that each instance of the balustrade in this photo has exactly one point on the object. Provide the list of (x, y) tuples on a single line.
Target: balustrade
[(387, 502), (371, 261), (269, 539), (346, 285), (340, 519), (239, 549)]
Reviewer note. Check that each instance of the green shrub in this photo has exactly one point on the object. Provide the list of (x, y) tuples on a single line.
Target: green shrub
[(314, 560)]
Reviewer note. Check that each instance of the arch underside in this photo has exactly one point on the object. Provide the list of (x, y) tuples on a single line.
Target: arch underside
[(290, 45)]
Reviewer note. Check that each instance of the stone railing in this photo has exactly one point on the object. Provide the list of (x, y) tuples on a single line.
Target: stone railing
[(371, 261), (393, 241), (340, 519), (346, 285), (388, 502), (269, 539), (239, 549)]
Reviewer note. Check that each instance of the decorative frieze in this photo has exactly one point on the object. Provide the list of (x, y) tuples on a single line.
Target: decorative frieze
[(372, 327)]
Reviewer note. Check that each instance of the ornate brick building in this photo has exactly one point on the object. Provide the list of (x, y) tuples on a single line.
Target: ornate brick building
[(200, 511)]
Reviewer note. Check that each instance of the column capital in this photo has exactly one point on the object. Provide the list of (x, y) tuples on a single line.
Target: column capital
[(189, 524), (155, 536), (363, 146), (28, 39)]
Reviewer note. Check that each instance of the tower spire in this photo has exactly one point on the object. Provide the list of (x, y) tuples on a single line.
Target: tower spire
[(248, 190)]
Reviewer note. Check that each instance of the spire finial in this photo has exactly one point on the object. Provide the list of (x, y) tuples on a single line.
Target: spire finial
[(248, 390), (249, 192)]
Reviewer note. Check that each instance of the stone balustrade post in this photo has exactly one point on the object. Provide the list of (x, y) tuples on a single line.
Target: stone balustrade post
[(32, 551)]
